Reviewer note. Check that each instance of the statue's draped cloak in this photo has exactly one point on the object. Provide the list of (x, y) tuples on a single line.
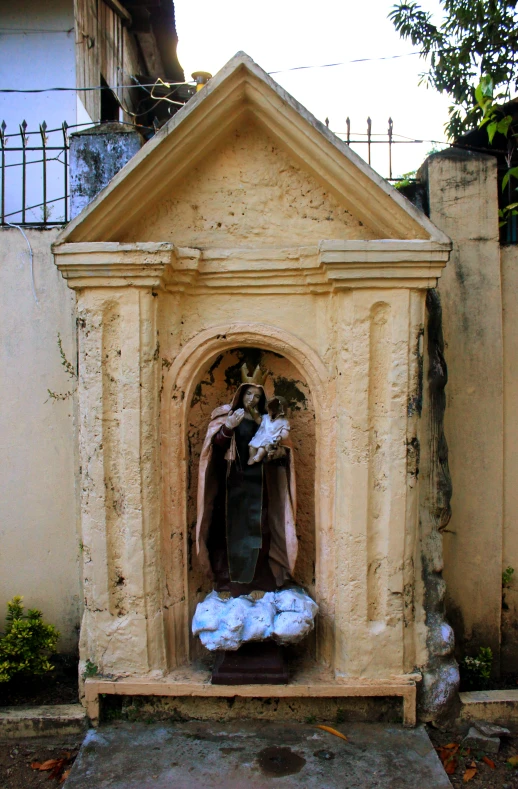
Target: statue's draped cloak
[(246, 488)]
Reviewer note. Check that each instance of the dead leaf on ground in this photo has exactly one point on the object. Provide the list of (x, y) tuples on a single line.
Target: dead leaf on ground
[(450, 766), (513, 761), (54, 767), (448, 756), (57, 769), (330, 730), (489, 762), (65, 775), (50, 764), (469, 774)]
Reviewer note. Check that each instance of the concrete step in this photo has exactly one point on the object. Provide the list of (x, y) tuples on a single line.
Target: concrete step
[(494, 706), (44, 721), (256, 755)]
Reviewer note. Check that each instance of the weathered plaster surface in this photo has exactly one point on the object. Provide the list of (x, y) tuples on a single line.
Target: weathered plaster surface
[(247, 190), (118, 392), (509, 259), (39, 538), (96, 155), (463, 199), (437, 693)]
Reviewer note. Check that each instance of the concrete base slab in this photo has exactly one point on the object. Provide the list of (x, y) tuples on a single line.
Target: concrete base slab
[(42, 721), (256, 754), (494, 706)]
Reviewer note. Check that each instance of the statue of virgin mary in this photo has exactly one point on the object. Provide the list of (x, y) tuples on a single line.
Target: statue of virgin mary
[(245, 531)]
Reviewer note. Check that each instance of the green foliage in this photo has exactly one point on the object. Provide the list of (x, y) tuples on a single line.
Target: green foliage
[(91, 670), (497, 123), (476, 671), (406, 179), (475, 37), (507, 577), (492, 116), (26, 643)]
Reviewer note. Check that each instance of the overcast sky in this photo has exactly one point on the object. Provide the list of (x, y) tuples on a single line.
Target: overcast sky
[(282, 34)]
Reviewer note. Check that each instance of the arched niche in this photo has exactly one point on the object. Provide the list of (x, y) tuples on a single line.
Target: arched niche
[(204, 375), (216, 386)]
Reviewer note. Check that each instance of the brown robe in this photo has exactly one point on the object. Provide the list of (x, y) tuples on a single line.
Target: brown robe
[(280, 486)]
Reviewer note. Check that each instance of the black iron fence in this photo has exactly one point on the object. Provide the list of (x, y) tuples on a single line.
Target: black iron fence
[(34, 175), (388, 139), (34, 168)]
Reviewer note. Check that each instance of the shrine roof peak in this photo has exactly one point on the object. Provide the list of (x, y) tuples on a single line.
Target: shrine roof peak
[(242, 89)]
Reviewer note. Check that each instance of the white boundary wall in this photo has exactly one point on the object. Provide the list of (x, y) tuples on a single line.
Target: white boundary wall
[(39, 540)]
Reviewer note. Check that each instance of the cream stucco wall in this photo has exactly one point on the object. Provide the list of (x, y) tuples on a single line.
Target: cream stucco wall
[(39, 541), (509, 268), (479, 423)]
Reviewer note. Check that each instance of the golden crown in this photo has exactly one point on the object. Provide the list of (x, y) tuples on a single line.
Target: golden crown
[(257, 379)]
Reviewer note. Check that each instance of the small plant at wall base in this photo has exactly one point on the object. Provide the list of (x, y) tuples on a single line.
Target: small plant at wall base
[(91, 670), (507, 577), (475, 672), (26, 644)]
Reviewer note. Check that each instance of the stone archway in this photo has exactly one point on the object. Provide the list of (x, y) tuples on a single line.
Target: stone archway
[(179, 386)]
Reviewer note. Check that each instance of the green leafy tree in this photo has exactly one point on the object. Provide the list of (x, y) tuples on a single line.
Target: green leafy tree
[(26, 643), (473, 39)]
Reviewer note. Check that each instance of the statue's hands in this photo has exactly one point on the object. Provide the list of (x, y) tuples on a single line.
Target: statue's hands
[(275, 450), (234, 418)]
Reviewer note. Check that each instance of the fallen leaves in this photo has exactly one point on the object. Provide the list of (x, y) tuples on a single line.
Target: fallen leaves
[(513, 761), (448, 756), (55, 767), (470, 772), (330, 730), (454, 755)]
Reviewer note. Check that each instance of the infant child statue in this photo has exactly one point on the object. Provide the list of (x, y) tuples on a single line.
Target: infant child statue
[(274, 427)]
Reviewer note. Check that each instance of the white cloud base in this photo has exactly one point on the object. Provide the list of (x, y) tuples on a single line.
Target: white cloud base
[(286, 617)]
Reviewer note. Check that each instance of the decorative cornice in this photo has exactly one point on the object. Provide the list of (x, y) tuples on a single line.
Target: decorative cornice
[(328, 266), (107, 264)]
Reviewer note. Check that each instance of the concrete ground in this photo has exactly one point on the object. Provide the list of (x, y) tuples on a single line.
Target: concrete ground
[(255, 755)]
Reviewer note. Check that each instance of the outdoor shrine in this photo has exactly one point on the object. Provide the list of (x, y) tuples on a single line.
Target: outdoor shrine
[(251, 317)]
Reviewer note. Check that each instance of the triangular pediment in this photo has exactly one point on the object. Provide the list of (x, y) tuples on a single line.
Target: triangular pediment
[(247, 192), (242, 163)]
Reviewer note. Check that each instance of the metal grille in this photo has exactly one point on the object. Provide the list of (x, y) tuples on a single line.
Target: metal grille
[(370, 139), (34, 176)]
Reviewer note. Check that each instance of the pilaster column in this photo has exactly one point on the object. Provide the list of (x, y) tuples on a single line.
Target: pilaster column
[(378, 402), (122, 630)]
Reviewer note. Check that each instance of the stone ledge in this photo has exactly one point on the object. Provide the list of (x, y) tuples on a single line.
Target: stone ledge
[(494, 706), (42, 721), (194, 683)]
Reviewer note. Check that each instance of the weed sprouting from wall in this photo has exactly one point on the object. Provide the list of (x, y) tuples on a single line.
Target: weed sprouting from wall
[(70, 371)]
